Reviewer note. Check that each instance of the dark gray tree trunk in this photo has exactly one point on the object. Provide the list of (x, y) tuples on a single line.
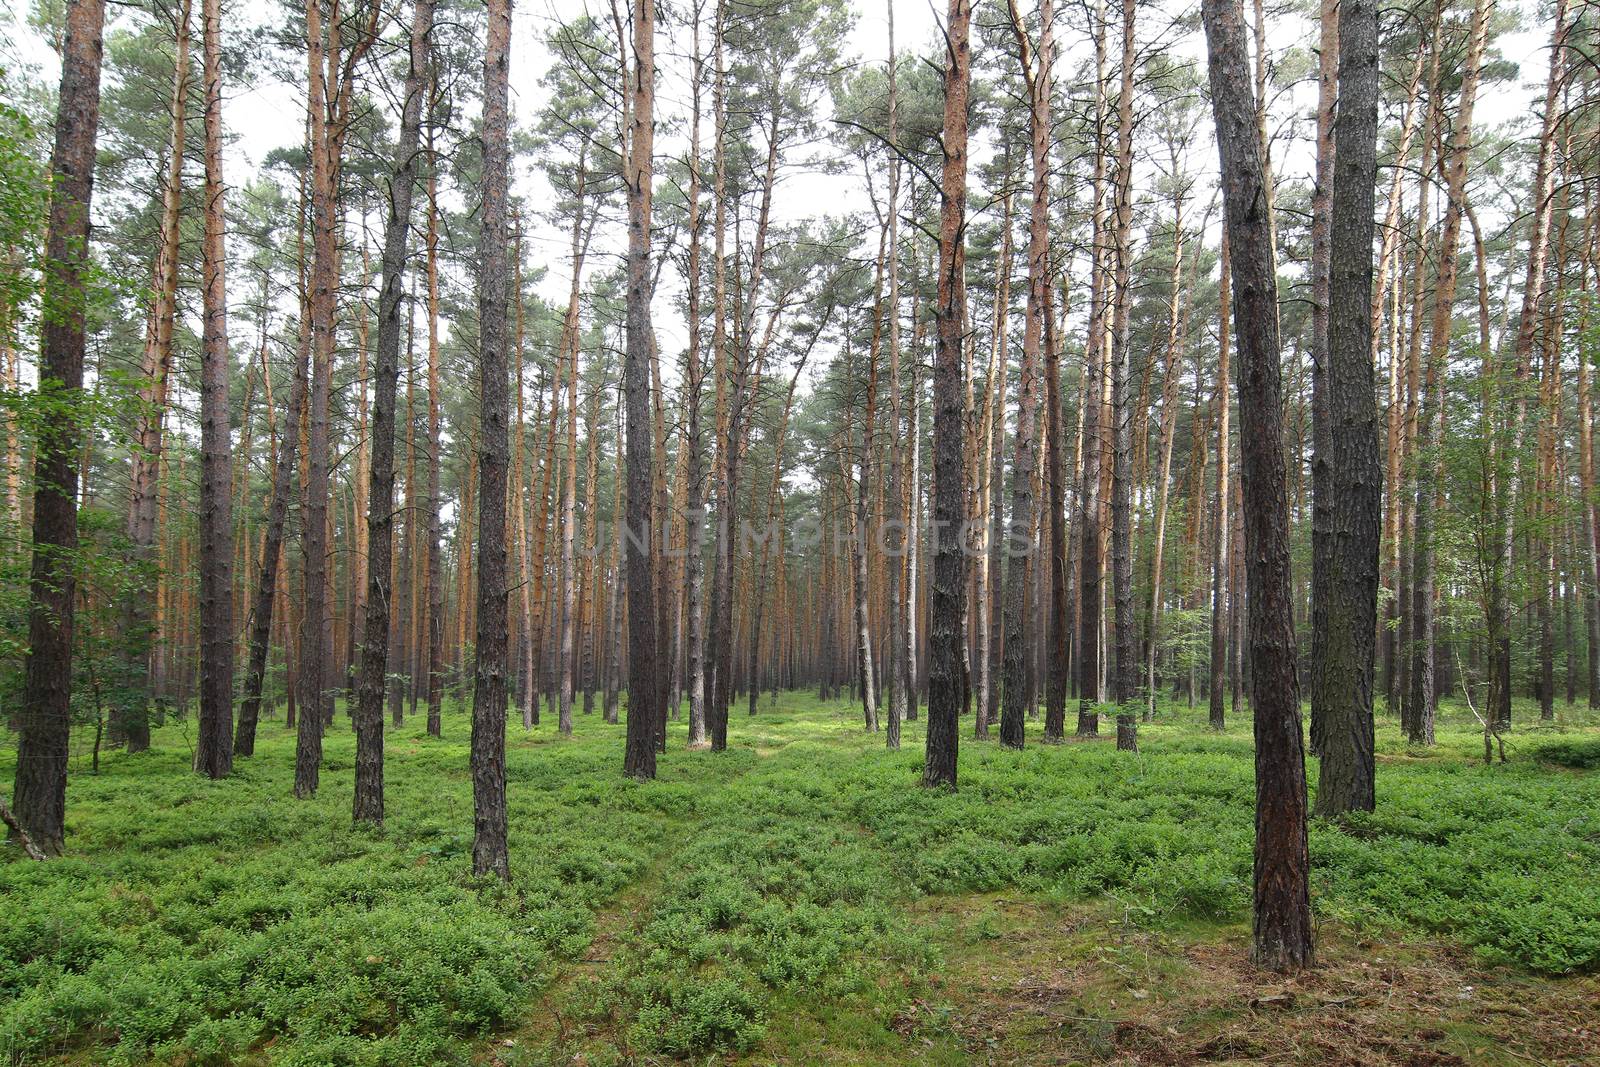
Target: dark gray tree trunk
[(489, 854), (1282, 907), (39, 796), (1347, 531), (945, 652), (1321, 232), (368, 805), (433, 578), (1126, 678), (899, 581)]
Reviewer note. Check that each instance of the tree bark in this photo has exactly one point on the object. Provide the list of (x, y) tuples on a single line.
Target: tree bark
[(640, 758), (1038, 329), (862, 538), (489, 853), (1321, 227), (988, 594), (213, 753), (133, 721), (368, 804), (313, 654), (433, 578), (1126, 686), (40, 792), (569, 494), (1090, 561), (1282, 898), (899, 580), (944, 637), (694, 579), (1430, 461), (1499, 709), (1350, 469)]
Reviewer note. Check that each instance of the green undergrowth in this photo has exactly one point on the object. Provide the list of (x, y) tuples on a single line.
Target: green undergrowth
[(760, 889), (202, 921)]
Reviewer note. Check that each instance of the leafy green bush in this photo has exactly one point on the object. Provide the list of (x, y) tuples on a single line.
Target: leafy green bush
[(201, 920), (1578, 754)]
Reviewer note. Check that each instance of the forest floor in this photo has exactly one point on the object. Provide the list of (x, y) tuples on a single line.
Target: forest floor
[(799, 900)]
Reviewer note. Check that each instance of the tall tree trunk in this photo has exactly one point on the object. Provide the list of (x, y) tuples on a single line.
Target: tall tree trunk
[(39, 795), (1430, 461), (1400, 693), (404, 627), (433, 578), (548, 484), (640, 758), (949, 562), (489, 854), (1351, 472), (734, 420), (133, 721), (1282, 898), (1221, 530), (1054, 472), (314, 537), (213, 753), (660, 535), (899, 581), (368, 804), (768, 550), (614, 610), (912, 510), (1394, 506), (1090, 561), (591, 533), (1038, 329), (861, 540), (716, 710), (569, 494), (356, 567), (517, 489), (991, 504), (1321, 228), (1122, 413), (694, 579)]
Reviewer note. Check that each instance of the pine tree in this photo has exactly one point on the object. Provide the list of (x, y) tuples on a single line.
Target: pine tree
[(1282, 900)]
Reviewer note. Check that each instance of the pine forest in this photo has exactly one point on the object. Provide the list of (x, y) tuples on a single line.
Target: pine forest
[(830, 532)]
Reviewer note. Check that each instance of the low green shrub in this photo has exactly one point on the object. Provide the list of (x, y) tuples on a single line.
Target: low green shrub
[(205, 922)]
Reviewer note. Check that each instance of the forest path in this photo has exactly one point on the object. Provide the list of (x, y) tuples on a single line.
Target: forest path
[(553, 1029)]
